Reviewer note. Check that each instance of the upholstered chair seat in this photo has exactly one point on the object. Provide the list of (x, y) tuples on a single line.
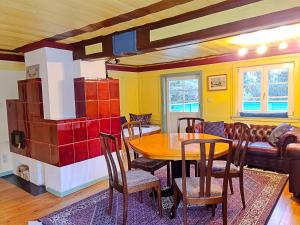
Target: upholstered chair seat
[(193, 188), (137, 177), (147, 164)]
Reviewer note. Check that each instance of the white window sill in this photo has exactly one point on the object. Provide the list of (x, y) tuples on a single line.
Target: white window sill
[(266, 119)]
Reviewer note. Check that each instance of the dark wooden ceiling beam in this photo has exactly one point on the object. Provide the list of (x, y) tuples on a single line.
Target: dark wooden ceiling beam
[(11, 57), (293, 48), (143, 32), (267, 21)]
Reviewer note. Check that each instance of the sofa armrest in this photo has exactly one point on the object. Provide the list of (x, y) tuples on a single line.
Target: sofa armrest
[(285, 140)]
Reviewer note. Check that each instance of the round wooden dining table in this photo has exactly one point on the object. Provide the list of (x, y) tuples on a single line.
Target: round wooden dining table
[(167, 146)]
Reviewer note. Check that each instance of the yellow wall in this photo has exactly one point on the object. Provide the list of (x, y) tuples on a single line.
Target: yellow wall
[(144, 91), (129, 91)]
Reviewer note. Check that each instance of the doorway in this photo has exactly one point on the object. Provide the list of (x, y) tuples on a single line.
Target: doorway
[(183, 99)]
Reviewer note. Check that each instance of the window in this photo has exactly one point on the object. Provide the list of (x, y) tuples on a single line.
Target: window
[(184, 95), (266, 89)]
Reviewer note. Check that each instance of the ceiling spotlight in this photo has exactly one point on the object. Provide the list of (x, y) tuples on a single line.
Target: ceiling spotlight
[(261, 49), (243, 51), (283, 45)]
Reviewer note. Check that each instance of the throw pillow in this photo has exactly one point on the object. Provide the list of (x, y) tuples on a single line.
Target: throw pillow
[(277, 132), (123, 120), (214, 128), (145, 119)]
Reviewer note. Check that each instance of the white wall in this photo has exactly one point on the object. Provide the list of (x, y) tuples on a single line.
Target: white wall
[(90, 69), (57, 73), (8, 90)]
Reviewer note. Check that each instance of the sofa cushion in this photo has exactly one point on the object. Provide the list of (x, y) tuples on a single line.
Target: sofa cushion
[(277, 132), (145, 119), (123, 120), (262, 148), (214, 128)]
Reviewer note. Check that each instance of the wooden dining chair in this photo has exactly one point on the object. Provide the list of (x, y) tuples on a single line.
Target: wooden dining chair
[(190, 128), (241, 136), (140, 162), (190, 123), (126, 182), (203, 190)]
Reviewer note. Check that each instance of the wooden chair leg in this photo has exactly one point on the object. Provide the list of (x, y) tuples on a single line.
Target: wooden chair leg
[(141, 196), (230, 184), (241, 181), (175, 199), (168, 174), (111, 197), (125, 208), (159, 201), (224, 212), (213, 210), (185, 222)]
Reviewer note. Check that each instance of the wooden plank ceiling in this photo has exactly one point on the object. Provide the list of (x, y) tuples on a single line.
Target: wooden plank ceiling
[(24, 22), (70, 21)]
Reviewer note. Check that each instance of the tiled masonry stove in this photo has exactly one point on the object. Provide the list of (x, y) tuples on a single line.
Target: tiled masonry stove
[(69, 141)]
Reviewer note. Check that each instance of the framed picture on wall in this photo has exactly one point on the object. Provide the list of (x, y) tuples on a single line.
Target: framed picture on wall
[(217, 82)]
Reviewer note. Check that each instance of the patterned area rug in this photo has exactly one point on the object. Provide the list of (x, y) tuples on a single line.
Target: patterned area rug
[(262, 190)]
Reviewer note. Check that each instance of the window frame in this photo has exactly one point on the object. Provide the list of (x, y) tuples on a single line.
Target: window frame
[(191, 77), (264, 87)]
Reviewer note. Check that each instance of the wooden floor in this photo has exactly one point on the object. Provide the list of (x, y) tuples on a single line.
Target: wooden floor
[(17, 206)]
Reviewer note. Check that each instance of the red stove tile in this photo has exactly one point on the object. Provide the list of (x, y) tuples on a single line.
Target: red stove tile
[(81, 151), (21, 110), (40, 151), (92, 129), (104, 109), (92, 109), (94, 148), (115, 125), (22, 126), (91, 90), (28, 148), (103, 90), (79, 129), (79, 90), (43, 132), (114, 89), (80, 109), (34, 91), (66, 155), (65, 133), (22, 90), (115, 108), (54, 159), (105, 125), (34, 110)]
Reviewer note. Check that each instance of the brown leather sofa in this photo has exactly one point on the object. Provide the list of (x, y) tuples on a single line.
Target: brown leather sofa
[(260, 154), (293, 155)]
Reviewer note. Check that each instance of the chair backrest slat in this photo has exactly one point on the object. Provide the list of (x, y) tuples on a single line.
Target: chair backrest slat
[(109, 144), (190, 127), (242, 135), (129, 126), (206, 163)]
